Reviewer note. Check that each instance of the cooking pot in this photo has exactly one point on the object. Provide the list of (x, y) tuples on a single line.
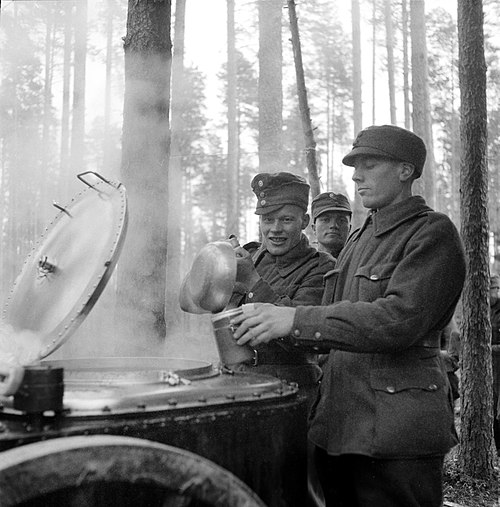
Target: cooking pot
[(253, 425)]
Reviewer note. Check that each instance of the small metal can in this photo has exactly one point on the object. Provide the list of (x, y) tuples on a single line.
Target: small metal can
[(229, 351)]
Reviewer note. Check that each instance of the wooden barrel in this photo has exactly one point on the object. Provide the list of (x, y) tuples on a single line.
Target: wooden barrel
[(104, 470)]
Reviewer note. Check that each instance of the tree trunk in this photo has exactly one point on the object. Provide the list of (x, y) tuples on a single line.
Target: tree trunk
[(142, 267), (270, 86), (476, 435), (64, 162), (78, 123), (359, 212), (389, 38), (47, 180), (175, 184), (107, 89), (406, 67), (374, 56), (305, 115), (232, 219), (422, 122)]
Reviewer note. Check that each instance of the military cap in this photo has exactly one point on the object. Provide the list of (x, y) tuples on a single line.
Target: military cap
[(274, 190), (389, 141), (329, 201)]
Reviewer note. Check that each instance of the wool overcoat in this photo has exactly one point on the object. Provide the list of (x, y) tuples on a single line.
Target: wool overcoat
[(385, 393)]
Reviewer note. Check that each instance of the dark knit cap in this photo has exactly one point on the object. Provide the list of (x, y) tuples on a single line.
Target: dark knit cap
[(274, 190), (389, 141), (329, 201)]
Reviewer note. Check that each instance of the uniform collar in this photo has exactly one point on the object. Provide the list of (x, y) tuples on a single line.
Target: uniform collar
[(289, 262), (390, 217)]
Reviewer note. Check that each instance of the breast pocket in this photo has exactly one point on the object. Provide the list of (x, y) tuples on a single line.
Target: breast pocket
[(373, 280)]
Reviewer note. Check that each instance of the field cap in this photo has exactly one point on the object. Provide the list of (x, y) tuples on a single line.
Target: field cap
[(274, 190), (329, 201), (389, 141)]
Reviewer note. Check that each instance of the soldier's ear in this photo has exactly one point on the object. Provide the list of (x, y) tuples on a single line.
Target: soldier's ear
[(305, 221), (407, 171)]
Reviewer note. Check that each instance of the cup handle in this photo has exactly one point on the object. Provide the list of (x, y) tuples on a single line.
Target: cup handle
[(10, 378)]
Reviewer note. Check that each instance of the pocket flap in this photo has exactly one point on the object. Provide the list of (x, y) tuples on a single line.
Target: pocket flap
[(396, 380), (376, 271)]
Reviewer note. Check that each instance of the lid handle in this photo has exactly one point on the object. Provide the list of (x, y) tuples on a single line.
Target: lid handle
[(97, 175)]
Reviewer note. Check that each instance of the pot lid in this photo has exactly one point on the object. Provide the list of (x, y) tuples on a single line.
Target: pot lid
[(67, 270)]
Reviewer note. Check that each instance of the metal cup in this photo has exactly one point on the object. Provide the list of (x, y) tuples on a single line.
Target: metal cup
[(229, 351)]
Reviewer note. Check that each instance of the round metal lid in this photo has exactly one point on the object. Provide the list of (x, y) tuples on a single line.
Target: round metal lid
[(67, 270)]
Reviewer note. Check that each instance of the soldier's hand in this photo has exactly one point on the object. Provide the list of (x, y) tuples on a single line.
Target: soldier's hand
[(246, 274), (264, 323)]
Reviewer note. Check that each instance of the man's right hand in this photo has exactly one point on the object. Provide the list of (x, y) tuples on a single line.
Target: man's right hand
[(246, 274)]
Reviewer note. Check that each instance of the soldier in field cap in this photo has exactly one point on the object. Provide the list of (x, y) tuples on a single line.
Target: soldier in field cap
[(284, 269), (331, 216), (383, 420)]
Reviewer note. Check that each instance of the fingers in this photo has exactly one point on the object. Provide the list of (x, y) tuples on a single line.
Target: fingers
[(241, 252), (253, 325), (253, 336)]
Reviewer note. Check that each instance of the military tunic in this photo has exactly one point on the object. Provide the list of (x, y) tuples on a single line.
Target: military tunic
[(295, 278), (396, 284)]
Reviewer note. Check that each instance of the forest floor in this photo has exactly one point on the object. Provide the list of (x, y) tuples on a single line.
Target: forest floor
[(462, 491), (467, 492)]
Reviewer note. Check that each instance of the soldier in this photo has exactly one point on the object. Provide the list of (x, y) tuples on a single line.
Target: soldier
[(284, 269), (384, 420), (331, 215)]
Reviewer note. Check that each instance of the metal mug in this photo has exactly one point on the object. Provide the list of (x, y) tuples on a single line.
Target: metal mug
[(229, 351)]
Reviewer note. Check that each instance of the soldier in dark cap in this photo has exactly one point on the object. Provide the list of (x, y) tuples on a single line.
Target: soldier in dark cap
[(383, 420), (284, 270), (331, 215)]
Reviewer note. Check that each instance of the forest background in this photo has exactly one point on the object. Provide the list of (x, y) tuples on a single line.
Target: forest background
[(93, 85), (61, 106)]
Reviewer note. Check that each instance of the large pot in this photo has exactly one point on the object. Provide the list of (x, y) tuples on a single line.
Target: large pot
[(254, 426)]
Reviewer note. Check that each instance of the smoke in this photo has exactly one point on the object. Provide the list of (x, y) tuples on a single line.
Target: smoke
[(18, 348)]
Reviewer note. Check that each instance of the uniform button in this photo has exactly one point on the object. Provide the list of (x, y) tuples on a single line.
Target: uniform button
[(296, 332), (317, 335), (373, 277), (263, 202), (316, 349), (250, 295), (263, 194), (433, 387), (390, 389)]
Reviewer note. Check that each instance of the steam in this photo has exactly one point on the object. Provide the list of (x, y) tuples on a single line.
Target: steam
[(18, 348)]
